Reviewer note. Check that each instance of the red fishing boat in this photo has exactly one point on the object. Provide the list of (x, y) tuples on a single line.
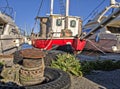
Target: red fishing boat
[(59, 30)]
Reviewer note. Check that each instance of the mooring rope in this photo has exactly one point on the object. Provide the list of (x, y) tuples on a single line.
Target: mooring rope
[(95, 46)]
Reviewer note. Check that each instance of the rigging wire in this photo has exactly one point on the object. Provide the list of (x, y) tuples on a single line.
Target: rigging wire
[(6, 6), (37, 15), (95, 46), (93, 10), (62, 7), (7, 3)]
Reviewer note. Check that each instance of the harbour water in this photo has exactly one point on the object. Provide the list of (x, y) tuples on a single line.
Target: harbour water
[(26, 46)]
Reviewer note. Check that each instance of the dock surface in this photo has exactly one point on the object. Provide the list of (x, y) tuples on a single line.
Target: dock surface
[(98, 80)]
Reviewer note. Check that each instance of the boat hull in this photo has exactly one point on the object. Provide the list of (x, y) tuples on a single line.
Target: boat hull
[(47, 44), (105, 43)]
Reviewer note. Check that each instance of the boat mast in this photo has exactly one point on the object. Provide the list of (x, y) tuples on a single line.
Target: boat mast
[(66, 14), (51, 7), (67, 8)]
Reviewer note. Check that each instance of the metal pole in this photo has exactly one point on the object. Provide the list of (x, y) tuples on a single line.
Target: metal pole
[(66, 14), (51, 7), (67, 8)]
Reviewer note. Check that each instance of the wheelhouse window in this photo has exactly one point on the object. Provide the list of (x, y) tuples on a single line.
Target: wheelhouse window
[(59, 22), (1, 29), (113, 29), (13, 31), (72, 23)]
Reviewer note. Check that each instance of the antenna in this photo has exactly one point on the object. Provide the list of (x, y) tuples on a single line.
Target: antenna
[(14, 16), (62, 7)]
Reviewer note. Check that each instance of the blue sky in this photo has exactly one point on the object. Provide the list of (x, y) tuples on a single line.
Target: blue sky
[(26, 10)]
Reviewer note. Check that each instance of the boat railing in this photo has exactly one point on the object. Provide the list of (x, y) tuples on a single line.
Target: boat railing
[(103, 23), (7, 11), (112, 6)]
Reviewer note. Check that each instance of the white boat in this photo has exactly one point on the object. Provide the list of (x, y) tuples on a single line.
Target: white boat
[(107, 38), (10, 35)]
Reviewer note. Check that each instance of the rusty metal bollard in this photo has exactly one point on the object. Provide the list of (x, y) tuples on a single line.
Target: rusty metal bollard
[(32, 70)]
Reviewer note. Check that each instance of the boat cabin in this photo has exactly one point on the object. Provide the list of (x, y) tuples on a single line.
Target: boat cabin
[(57, 26)]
